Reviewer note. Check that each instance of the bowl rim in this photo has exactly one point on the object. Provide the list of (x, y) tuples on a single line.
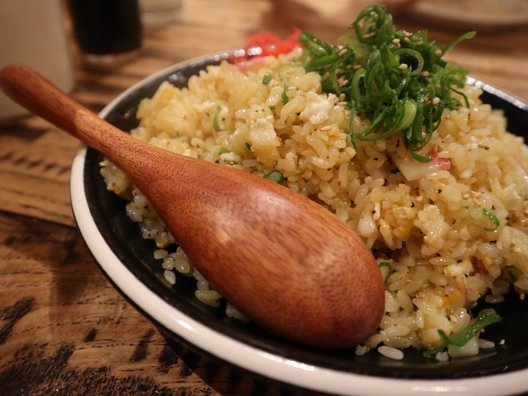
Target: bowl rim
[(248, 357)]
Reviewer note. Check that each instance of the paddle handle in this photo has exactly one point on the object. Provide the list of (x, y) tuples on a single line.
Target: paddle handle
[(285, 261), (37, 94)]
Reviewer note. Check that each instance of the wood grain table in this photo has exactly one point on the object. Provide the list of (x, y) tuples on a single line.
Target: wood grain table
[(63, 328)]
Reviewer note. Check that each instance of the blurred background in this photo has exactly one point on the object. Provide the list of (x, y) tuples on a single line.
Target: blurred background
[(59, 37)]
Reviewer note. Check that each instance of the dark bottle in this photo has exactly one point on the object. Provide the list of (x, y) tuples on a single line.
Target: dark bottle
[(108, 32)]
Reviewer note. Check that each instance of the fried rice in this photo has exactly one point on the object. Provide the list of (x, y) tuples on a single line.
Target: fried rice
[(447, 233)]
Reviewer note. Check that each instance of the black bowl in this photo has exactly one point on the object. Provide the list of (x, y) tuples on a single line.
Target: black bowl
[(127, 259)]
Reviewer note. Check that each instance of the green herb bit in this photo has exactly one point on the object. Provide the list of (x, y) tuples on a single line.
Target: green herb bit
[(284, 96), (216, 122), (266, 79), (484, 319), (396, 79), (494, 219), (276, 176), (385, 268), (223, 150), (420, 158)]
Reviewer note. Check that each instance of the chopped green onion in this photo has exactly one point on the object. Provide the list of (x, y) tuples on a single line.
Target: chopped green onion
[(276, 176), (465, 36), (409, 55), (385, 264), (222, 150), (484, 319), (385, 268), (420, 158), (494, 219), (409, 113), (390, 76), (357, 87), (284, 97), (266, 79), (216, 122)]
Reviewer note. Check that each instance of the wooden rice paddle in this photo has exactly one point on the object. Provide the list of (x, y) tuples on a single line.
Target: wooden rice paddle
[(286, 262)]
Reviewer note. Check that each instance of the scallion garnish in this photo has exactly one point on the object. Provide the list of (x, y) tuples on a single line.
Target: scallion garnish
[(266, 79), (276, 176), (284, 96), (483, 319), (494, 219), (216, 122), (396, 79), (420, 158), (385, 268)]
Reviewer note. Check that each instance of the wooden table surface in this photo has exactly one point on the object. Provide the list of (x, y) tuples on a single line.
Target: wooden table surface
[(63, 328)]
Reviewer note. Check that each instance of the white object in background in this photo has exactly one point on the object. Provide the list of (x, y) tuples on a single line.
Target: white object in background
[(159, 12), (471, 14), (32, 32)]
